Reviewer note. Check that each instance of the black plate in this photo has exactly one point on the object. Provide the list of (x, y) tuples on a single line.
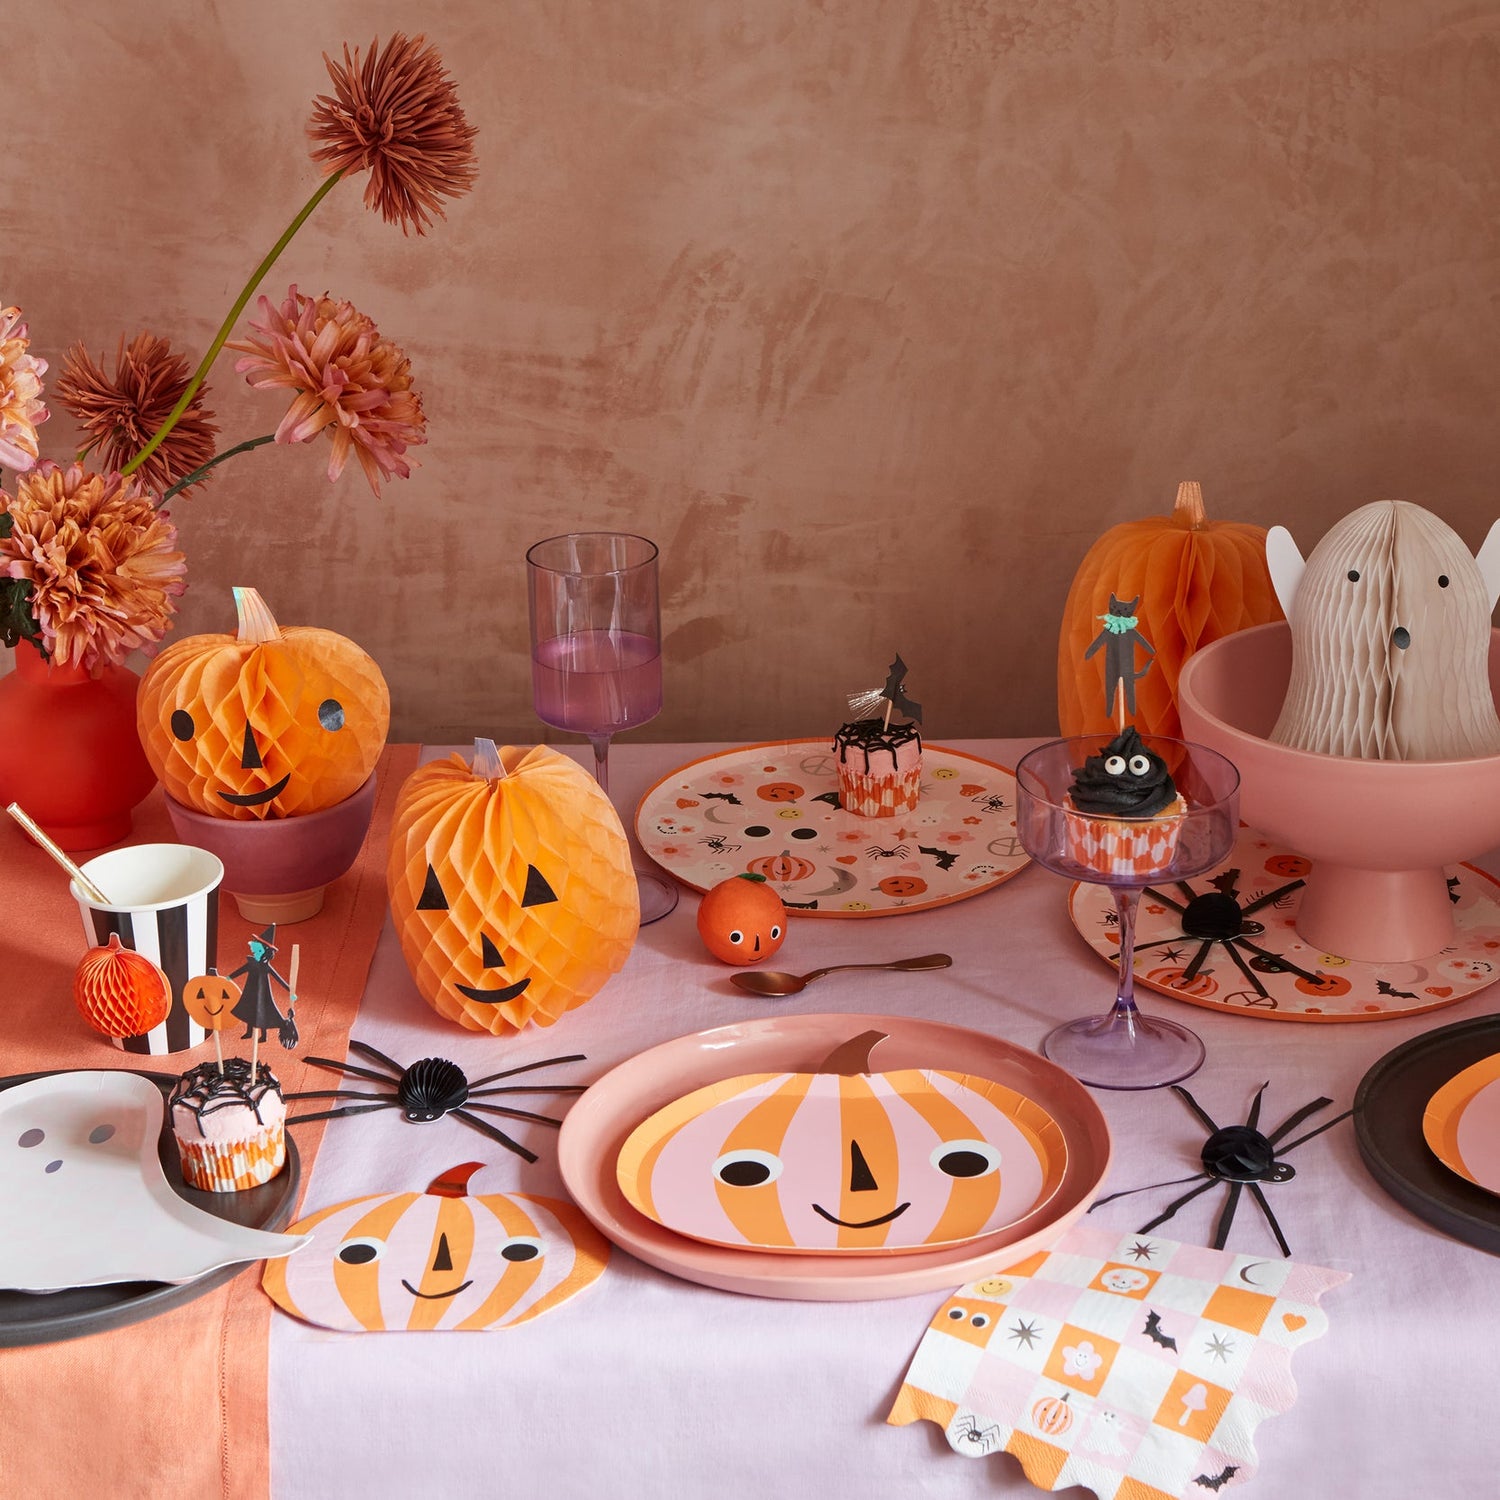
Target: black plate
[(49, 1317), (1388, 1110)]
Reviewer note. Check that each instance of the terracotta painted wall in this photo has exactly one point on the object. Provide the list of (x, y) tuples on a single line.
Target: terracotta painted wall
[(873, 312)]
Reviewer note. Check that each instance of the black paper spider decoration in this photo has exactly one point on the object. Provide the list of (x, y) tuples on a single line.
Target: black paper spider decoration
[(433, 1087), (1240, 1157), (1216, 916)]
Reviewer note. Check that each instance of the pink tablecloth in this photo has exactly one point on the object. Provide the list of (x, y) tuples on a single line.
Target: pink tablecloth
[(652, 1385)]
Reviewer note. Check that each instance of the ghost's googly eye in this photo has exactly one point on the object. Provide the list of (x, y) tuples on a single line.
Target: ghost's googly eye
[(965, 1158), (1442, 580), (1139, 765), (1115, 765), (956, 1314), (747, 1168), (520, 1249), (361, 1252), (1353, 575), (980, 1320)]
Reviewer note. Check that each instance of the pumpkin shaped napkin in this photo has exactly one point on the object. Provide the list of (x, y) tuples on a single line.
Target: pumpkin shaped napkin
[(1134, 1366)]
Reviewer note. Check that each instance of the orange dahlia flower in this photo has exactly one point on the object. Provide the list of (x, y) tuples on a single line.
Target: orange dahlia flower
[(102, 562), (348, 380), (21, 408)]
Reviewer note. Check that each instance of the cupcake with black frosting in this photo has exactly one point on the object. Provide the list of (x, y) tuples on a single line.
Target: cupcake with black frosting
[(230, 1127), (1131, 811)]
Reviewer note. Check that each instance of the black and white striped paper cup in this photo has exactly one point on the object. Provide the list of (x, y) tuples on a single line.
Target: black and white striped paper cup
[(163, 903)]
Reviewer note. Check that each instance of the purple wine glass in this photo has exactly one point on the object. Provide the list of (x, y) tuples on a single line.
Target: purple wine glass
[(1124, 1049)]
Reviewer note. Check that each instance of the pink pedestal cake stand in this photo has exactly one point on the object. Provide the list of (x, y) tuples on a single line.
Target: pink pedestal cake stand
[(1377, 831)]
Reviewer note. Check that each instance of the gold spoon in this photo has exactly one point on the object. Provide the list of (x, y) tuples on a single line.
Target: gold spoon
[(772, 982)]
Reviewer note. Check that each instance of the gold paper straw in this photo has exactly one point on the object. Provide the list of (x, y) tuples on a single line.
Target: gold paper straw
[(86, 885)]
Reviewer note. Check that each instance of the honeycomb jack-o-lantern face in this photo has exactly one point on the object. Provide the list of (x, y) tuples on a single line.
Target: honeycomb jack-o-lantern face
[(511, 886), (438, 1259), (264, 723), (842, 1159)]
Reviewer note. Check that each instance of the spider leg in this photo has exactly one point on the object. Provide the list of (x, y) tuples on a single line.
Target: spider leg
[(1193, 1105), (1150, 1187), (546, 1062), (532, 1088), (513, 1114), (1251, 977), (347, 1109), (1172, 1207), (1265, 1208), (1165, 899), (342, 1094), (1294, 1119), (1191, 972), (1252, 1120), (1291, 1145), (1272, 896), (352, 1069), (366, 1050), (484, 1128), (1226, 1216)]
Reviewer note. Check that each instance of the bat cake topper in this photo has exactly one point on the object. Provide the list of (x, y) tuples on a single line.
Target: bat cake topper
[(893, 695)]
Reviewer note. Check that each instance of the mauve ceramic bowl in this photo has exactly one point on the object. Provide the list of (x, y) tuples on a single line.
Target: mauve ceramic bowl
[(276, 868), (1378, 832)]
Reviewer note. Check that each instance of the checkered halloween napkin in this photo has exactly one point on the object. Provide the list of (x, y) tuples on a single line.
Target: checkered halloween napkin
[(1134, 1365)]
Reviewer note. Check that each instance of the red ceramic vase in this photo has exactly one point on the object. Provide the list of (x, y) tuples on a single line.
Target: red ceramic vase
[(69, 753)]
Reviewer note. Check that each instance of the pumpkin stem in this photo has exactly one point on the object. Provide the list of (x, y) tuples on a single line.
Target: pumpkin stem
[(853, 1056), (1189, 507), (487, 762), (454, 1183), (257, 624)]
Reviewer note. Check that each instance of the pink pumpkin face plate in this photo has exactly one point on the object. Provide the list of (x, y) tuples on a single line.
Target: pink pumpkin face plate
[(832, 1163)]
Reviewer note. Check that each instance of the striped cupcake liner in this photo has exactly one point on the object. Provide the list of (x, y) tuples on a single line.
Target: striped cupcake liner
[(231, 1166), (869, 796), (1138, 847)]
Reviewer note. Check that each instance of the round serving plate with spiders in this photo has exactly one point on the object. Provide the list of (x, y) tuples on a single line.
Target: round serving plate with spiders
[(1228, 941), (773, 810)]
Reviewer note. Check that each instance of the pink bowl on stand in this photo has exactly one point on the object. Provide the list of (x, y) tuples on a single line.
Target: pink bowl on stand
[(277, 868), (1379, 832)]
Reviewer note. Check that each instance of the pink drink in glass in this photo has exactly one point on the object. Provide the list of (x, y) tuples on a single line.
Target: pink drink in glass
[(597, 682)]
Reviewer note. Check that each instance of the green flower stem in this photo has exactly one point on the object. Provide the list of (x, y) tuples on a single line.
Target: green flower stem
[(217, 459), (259, 274)]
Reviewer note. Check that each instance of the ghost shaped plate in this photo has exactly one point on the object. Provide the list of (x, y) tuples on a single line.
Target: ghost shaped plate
[(78, 1114)]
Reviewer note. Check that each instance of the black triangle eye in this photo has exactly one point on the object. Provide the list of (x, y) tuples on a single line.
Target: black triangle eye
[(538, 892), (432, 898), (489, 955)]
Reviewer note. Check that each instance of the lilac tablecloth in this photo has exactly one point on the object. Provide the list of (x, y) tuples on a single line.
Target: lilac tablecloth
[(650, 1385)]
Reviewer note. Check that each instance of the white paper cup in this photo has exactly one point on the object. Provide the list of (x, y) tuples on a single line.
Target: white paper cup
[(163, 903)]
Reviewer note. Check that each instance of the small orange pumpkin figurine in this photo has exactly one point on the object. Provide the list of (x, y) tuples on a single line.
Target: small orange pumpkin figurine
[(742, 920), (120, 992), (264, 723), (511, 887)]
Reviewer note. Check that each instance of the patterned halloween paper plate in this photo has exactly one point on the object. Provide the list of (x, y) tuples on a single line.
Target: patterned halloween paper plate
[(833, 1163), (773, 810), (1462, 1123), (1266, 970)]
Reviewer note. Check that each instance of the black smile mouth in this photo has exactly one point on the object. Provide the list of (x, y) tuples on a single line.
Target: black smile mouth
[(436, 1296), (496, 996), (895, 1213), (254, 799)]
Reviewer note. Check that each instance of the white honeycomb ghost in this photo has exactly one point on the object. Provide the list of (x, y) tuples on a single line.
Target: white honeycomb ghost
[(1390, 620), (85, 1200)]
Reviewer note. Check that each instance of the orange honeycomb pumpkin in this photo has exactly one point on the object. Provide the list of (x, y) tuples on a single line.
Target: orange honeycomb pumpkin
[(511, 886), (264, 723), (120, 992), (1186, 581)]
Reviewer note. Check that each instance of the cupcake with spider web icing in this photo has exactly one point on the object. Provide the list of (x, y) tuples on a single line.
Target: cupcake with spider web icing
[(230, 1127), (880, 763)]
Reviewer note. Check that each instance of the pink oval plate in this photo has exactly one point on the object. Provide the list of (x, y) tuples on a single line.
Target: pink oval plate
[(598, 1124)]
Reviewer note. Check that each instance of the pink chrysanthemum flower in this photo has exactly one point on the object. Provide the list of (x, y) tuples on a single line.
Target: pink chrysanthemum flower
[(102, 561), (21, 409), (346, 377)]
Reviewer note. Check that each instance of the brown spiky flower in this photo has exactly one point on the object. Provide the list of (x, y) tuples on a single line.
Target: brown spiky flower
[(122, 413), (398, 115)]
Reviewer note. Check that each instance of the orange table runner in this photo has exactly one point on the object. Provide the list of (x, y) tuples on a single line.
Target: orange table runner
[(177, 1404)]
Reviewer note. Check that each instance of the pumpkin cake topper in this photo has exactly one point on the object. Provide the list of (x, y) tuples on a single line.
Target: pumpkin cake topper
[(843, 1159), (439, 1259), (1390, 624), (265, 723), (511, 886), (433, 1087)]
